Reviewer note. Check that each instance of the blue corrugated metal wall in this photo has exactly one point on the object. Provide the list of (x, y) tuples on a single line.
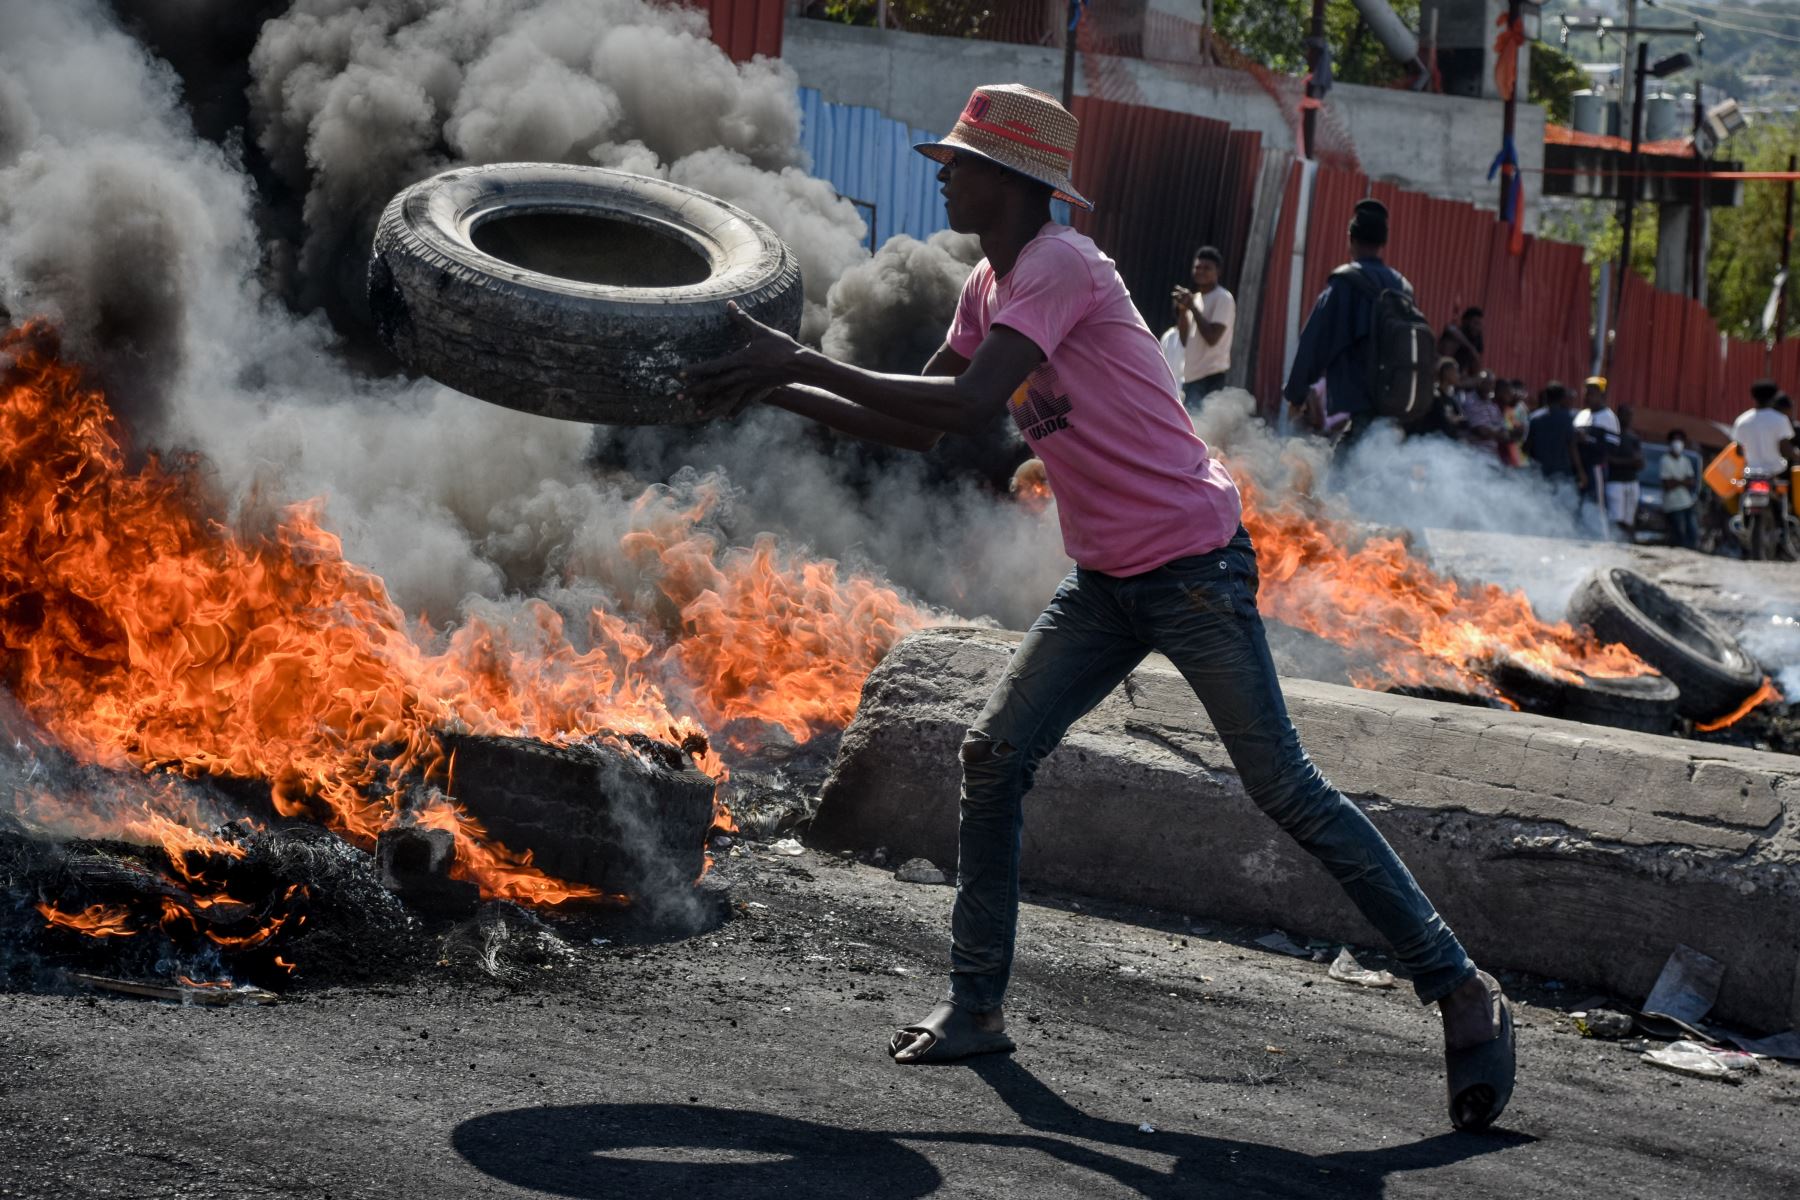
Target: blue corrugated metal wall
[(866, 156)]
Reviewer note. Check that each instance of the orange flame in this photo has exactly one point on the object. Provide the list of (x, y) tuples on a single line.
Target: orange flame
[(1421, 628), (1763, 695), (140, 630), (97, 920)]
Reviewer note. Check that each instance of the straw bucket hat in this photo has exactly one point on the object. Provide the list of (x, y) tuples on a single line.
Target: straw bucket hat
[(1020, 128)]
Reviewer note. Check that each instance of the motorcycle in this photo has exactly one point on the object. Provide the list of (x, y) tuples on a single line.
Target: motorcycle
[(1765, 524)]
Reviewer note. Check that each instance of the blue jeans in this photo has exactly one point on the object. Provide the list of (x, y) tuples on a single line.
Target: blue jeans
[(1194, 391), (1201, 613), (1684, 527)]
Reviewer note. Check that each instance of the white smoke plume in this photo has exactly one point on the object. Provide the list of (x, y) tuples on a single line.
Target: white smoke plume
[(141, 241), (354, 100)]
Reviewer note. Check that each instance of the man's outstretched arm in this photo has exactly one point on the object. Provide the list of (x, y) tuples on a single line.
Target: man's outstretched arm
[(865, 423), (959, 403)]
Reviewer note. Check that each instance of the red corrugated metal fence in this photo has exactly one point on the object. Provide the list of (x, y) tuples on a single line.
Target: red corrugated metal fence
[(745, 28), (1163, 183)]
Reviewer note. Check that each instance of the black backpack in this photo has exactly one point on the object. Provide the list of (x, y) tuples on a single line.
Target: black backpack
[(1402, 348)]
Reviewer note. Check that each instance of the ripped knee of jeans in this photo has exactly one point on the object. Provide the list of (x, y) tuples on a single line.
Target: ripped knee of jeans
[(980, 750)]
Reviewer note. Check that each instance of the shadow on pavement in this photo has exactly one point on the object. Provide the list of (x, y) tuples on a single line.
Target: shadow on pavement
[(649, 1151)]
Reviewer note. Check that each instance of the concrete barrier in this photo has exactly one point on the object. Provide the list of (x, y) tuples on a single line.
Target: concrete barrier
[(1571, 851)]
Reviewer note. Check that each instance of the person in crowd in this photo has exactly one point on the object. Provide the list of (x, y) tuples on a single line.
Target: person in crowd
[(1481, 411), (1462, 340), (1335, 342), (1206, 314), (1764, 433), (1677, 475), (1174, 353), (1444, 417), (1550, 435), (1046, 333), (1624, 461), (1596, 432), (1515, 406)]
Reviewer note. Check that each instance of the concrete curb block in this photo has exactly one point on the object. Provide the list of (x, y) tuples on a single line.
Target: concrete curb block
[(1553, 847)]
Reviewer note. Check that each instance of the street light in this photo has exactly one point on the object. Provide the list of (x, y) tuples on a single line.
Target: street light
[(1662, 69)]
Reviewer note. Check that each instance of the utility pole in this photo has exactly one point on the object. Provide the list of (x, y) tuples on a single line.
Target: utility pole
[(1315, 58), (1629, 187), (1787, 243), (1509, 115), (1068, 96), (1629, 86)]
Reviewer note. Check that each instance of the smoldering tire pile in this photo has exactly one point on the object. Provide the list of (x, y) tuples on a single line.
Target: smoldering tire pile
[(265, 902)]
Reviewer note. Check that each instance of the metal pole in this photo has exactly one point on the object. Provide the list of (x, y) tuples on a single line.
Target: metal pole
[(1629, 188), (1314, 57), (1787, 243), (1508, 114), (1697, 217), (1628, 86), (1068, 95)]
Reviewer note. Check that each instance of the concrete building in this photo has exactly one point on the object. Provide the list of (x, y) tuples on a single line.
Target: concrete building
[(1438, 144)]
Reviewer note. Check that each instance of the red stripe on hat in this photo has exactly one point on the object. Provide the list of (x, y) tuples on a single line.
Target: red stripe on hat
[(1013, 135)]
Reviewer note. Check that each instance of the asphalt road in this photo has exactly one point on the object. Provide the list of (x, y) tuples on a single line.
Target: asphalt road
[(746, 1062)]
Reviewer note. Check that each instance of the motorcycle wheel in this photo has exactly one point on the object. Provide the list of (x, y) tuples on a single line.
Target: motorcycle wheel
[(1756, 527)]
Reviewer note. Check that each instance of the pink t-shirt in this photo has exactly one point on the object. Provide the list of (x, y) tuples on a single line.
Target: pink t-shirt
[(1135, 487)]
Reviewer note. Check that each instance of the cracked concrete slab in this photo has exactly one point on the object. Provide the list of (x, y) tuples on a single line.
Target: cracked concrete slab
[(1564, 849)]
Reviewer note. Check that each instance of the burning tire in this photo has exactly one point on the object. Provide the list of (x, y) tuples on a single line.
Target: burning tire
[(571, 292), (1714, 673), (628, 818)]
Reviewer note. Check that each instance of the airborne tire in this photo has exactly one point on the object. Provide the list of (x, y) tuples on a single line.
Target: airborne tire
[(571, 292), (1714, 673)]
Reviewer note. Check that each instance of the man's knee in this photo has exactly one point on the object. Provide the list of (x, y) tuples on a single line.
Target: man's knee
[(979, 750)]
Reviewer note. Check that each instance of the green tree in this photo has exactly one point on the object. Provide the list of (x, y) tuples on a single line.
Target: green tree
[(1594, 225), (1555, 78), (1273, 32), (1746, 240)]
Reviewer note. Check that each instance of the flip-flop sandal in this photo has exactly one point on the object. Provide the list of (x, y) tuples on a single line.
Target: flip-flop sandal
[(953, 1036), (1480, 1077)]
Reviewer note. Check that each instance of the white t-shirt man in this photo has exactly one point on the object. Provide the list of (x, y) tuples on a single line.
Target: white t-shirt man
[(1759, 433), (1201, 360)]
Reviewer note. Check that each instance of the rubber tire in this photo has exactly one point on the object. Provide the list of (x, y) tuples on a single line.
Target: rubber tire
[(625, 821), (1646, 703), (1714, 673), (561, 347)]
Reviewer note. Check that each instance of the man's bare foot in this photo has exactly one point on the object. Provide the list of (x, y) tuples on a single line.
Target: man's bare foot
[(950, 1033)]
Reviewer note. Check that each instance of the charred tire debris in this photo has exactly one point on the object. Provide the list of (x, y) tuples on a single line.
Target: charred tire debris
[(631, 818), (571, 292), (1713, 672)]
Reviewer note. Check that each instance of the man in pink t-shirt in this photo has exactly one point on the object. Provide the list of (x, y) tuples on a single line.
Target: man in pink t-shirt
[(1046, 332)]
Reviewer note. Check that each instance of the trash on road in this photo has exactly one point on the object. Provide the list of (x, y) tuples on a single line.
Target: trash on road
[(1708, 1062), (1345, 969), (1604, 1023), (788, 847), (1685, 991), (1146, 1127), (1785, 1046), (1281, 943), (920, 870)]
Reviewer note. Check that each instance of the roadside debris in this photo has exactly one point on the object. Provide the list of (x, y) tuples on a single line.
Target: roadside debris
[(787, 847), (213, 995), (1281, 943), (1683, 995), (919, 870), (1604, 1023), (1345, 969), (1785, 1046), (1707, 1062)]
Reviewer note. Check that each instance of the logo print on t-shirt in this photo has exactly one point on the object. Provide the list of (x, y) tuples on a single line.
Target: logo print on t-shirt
[(1040, 406)]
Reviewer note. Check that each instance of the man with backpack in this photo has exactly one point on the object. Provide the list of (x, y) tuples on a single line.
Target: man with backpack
[(1375, 350)]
